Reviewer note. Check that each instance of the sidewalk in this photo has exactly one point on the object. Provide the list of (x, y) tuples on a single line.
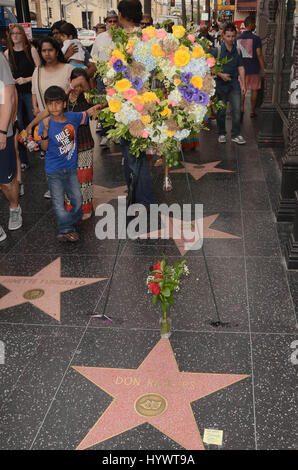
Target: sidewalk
[(70, 381)]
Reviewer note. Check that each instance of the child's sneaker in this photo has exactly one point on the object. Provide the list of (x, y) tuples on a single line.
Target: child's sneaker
[(68, 237), (3, 235), (15, 219)]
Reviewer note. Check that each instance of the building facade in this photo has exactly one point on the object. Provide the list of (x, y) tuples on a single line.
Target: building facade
[(83, 14)]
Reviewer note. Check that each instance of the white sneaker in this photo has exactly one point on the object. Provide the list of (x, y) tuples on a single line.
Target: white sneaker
[(15, 219), (47, 194), (21, 186), (3, 235), (104, 142), (239, 140), (222, 139)]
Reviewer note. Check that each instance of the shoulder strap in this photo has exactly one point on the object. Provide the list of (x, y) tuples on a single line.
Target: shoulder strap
[(38, 86)]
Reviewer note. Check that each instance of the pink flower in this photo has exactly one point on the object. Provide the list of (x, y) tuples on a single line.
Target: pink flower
[(211, 61), (171, 57), (113, 59), (111, 92), (161, 34), (173, 103), (145, 134), (191, 37), (130, 51), (145, 37), (130, 94), (139, 107)]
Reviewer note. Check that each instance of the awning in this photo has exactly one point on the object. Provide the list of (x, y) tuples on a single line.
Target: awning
[(246, 5)]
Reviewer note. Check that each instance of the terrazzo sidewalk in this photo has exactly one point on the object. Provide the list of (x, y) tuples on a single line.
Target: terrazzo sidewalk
[(70, 381)]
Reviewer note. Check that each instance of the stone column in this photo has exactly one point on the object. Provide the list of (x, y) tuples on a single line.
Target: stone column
[(287, 59), (289, 183), (271, 130)]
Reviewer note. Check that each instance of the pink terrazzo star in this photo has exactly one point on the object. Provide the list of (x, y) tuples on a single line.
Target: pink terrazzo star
[(157, 393), (43, 289), (188, 241), (102, 195), (198, 170)]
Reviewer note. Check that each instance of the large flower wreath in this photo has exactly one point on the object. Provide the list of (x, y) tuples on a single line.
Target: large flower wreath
[(158, 88)]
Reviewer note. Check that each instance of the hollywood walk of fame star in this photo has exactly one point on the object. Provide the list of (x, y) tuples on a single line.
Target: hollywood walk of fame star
[(197, 171), (156, 392), (102, 195), (191, 235), (42, 289)]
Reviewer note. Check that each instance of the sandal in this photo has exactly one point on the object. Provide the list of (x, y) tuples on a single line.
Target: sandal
[(68, 237), (167, 184), (86, 216)]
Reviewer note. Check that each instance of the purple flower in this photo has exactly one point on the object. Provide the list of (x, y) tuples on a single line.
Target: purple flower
[(203, 98), (190, 93), (125, 72), (185, 77), (118, 65), (137, 83)]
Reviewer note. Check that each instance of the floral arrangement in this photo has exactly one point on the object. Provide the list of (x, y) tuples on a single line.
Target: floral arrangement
[(162, 282), (158, 88)]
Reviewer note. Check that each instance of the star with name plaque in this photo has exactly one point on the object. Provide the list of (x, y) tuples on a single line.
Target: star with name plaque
[(157, 393)]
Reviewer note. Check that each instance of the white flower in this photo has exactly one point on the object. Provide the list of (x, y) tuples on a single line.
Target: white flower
[(127, 114), (181, 135)]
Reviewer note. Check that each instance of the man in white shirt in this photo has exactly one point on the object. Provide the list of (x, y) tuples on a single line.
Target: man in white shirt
[(103, 43)]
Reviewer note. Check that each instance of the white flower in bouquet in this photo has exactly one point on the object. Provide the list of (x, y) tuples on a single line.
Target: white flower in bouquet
[(181, 135)]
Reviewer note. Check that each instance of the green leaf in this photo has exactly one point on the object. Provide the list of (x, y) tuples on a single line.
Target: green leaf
[(154, 299), (166, 292)]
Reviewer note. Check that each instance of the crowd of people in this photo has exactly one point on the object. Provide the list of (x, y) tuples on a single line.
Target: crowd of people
[(44, 85)]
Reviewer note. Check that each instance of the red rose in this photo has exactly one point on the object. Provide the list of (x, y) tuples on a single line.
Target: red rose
[(154, 287), (157, 267), (158, 276)]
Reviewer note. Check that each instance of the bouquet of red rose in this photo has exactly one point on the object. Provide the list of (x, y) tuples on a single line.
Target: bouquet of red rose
[(163, 281)]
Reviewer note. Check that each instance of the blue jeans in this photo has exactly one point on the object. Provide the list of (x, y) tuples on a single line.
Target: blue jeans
[(25, 116), (60, 182), (233, 95), (144, 187)]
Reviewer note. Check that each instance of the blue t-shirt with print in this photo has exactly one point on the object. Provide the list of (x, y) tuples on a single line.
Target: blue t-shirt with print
[(249, 43), (234, 61), (62, 153)]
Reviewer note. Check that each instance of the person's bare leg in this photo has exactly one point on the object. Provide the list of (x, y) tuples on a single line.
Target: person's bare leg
[(167, 183), (254, 98), (242, 101), (11, 192)]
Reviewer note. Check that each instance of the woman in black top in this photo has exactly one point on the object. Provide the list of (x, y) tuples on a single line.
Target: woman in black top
[(22, 58)]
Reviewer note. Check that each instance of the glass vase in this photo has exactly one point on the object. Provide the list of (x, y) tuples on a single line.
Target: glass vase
[(165, 330)]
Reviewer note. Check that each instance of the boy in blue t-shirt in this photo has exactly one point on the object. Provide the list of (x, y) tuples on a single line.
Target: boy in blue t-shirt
[(58, 138)]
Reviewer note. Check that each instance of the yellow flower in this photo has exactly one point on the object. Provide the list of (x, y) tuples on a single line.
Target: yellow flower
[(178, 31), (130, 44), (166, 112), (170, 133), (181, 58), (183, 48), (123, 85), (138, 99), (115, 106), (197, 52), (157, 50), (209, 55), (118, 54), (149, 96), (150, 30), (177, 81), (197, 81), (145, 119)]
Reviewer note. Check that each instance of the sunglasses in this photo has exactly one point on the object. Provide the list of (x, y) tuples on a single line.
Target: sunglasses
[(145, 24), (112, 21)]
